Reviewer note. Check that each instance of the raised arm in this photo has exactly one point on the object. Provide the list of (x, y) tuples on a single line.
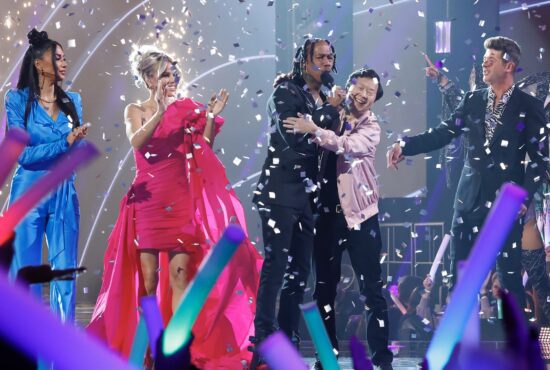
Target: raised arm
[(139, 133), (215, 106), (37, 153), (429, 140)]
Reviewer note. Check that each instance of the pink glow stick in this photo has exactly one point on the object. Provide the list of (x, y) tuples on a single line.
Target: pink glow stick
[(74, 158), (10, 149)]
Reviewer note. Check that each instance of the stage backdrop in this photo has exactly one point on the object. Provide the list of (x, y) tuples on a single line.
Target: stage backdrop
[(232, 45)]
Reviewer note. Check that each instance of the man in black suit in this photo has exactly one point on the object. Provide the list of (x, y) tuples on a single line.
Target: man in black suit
[(501, 124), (286, 189)]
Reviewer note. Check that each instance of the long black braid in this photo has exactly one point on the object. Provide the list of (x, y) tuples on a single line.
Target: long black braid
[(302, 54), (28, 76)]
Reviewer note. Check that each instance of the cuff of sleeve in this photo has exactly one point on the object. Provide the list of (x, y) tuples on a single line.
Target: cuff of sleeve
[(64, 144), (447, 86)]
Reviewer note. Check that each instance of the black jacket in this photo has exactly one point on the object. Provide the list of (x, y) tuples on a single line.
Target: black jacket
[(289, 172), (489, 165)]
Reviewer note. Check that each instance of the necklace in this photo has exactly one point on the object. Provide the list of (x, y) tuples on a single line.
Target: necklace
[(48, 101)]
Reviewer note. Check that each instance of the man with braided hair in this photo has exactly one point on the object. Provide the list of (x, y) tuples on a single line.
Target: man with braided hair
[(286, 189)]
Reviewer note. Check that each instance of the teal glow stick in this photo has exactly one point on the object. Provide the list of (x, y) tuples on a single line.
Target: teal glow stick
[(139, 346), (319, 336), (484, 253), (499, 309), (178, 331)]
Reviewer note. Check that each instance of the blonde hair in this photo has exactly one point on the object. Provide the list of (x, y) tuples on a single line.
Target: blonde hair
[(147, 61)]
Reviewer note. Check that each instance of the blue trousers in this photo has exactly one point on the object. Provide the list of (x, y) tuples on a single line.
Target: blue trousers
[(59, 221)]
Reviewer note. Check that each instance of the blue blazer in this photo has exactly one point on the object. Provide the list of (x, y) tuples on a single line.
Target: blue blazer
[(48, 141)]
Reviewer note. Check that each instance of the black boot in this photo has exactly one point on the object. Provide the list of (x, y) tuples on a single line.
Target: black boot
[(257, 360), (317, 365)]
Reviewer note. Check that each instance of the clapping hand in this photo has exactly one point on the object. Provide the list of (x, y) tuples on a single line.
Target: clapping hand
[(217, 102)]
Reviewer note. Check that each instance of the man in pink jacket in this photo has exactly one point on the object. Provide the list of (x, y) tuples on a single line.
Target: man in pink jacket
[(348, 216)]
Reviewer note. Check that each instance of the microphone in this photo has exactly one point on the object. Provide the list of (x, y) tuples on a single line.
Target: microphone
[(327, 79)]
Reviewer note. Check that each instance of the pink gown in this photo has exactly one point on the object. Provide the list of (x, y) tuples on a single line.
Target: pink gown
[(180, 200)]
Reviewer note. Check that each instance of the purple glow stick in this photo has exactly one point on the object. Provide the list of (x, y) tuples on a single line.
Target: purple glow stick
[(359, 355), (10, 149), (484, 253), (75, 157), (153, 319), (280, 354), (30, 326), (471, 336)]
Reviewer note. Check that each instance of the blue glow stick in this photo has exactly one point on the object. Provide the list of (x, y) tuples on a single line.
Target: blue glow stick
[(319, 336), (28, 325), (179, 328), (280, 354), (139, 346), (153, 319), (10, 149), (482, 257)]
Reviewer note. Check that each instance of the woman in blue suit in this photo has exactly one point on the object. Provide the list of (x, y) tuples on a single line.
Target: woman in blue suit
[(52, 118)]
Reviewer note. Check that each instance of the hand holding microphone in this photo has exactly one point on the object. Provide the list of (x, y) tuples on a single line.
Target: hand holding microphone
[(337, 94)]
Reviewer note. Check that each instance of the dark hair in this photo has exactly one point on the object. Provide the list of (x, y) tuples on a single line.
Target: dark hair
[(302, 54), (39, 44), (511, 51), (367, 73), (406, 286)]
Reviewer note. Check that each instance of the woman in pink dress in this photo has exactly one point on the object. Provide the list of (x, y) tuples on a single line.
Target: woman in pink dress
[(177, 207)]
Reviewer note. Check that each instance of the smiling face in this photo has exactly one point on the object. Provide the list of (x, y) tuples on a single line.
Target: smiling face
[(495, 68), (169, 78), (45, 66), (362, 94), (322, 60)]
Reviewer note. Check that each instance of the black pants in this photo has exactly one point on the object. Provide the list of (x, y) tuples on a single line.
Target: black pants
[(465, 229), (363, 245), (288, 244)]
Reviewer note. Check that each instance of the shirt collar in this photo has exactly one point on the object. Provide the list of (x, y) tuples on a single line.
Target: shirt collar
[(505, 97)]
